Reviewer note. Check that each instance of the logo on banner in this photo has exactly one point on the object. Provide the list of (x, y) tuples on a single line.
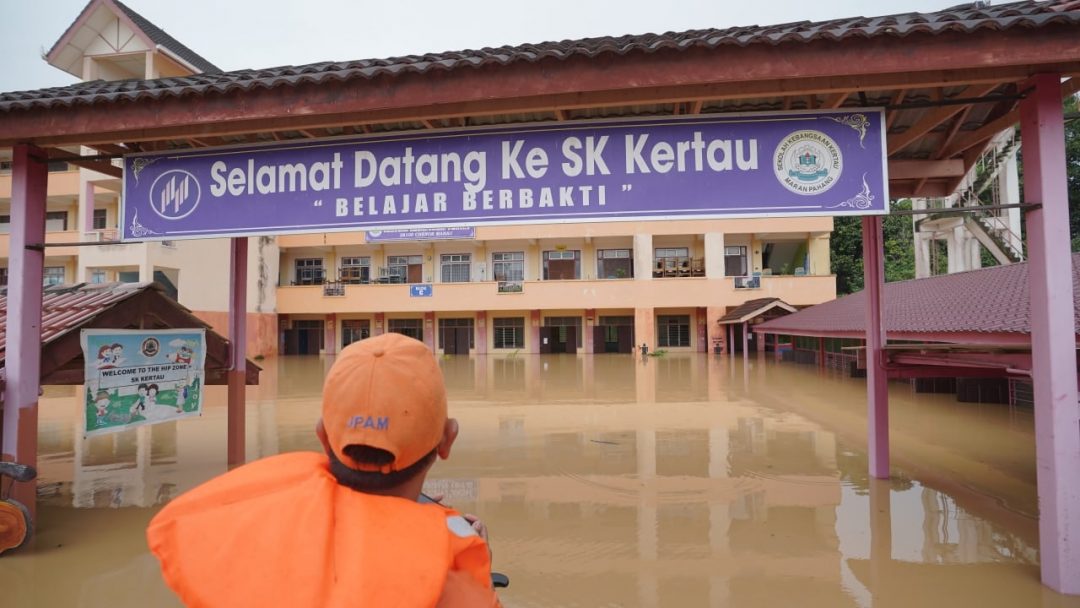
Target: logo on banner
[(808, 162), (175, 194)]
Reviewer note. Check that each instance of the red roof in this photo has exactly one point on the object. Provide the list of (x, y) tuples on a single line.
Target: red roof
[(988, 301), (66, 308)]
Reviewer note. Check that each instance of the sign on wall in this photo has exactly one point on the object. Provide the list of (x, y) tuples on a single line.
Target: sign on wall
[(421, 290), (421, 234), (744, 165), (137, 377)]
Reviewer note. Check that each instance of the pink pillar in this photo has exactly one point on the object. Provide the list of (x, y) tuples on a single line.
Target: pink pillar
[(88, 208), (29, 182), (238, 358), (1057, 419), (877, 393), (482, 321), (746, 340), (729, 334)]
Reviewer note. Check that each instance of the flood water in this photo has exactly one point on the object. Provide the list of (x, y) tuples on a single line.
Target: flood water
[(687, 480)]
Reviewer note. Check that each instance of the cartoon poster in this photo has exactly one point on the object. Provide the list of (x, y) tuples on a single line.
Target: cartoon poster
[(136, 377)]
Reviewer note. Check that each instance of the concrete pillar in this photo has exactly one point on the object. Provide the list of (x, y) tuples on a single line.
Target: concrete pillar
[(533, 344), (19, 430), (715, 330), (380, 324), (429, 330), (714, 255), (590, 323), (237, 376), (482, 321), (746, 340), (330, 339), (645, 327), (1053, 348), (1009, 194), (877, 392), (702, 322), (643, 257), (954, 247)]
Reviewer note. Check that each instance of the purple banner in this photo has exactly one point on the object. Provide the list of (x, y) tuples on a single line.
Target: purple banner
[(421, 234), (745, 165)]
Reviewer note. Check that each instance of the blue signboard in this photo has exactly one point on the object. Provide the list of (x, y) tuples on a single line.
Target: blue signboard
[(423, 290), (830, 162)]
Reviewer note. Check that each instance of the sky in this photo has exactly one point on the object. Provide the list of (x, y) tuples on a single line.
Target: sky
[(237, 34)]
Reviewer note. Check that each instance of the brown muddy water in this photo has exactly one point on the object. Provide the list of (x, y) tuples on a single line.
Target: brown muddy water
[(688, 480)]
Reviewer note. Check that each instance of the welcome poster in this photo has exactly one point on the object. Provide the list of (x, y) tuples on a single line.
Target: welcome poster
[(137, 377)]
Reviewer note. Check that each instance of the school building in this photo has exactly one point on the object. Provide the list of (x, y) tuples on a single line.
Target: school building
[(561, 288)]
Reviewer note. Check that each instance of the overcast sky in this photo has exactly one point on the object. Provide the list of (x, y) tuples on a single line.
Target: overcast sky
[(236, 34)]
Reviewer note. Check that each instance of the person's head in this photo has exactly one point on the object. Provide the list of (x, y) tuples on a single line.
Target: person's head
[(142, 389), (104, 351), (117, 350), (384, 415), (102, 396), (152, 390)]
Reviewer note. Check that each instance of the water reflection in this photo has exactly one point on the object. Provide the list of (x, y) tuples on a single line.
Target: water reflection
[(608, 481)]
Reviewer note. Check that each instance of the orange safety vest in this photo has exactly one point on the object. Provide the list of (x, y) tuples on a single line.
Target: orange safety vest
[(282, 532)]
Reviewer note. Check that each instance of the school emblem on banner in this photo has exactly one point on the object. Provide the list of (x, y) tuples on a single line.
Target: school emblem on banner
[(137, 377)]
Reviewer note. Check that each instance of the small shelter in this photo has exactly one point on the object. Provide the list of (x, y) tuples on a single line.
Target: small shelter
[(752, 312)]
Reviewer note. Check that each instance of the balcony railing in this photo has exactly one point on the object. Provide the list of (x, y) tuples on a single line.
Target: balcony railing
[(333, 289)]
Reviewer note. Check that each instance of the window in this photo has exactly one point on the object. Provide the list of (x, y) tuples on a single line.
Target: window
[(100, 219), (5, 224), (3, 277), (354, 330), (54, 275), (509, 332), (563, 323), (309, 271), (735, 261), (414, 328), (614, 264), (446, 325), (673, 330), (98, 276), (784, 257), (455, 267), (56, 221), (355, 270), (404, 269), (508, 266), (562, 265)]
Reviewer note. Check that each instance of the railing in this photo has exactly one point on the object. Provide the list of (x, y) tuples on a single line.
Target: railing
[(333, 289)]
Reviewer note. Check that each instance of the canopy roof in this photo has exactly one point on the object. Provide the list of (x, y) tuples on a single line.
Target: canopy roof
[(950, 81), (67, 309), (985, 306), (754, 308)]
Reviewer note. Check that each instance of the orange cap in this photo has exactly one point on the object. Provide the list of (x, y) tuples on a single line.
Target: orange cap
[(386, 392)]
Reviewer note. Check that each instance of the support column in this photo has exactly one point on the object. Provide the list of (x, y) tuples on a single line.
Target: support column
[(714, 255), (1053, 347), (29, 183), (482, 333), (745, 340), (588, 328), (729, 333), (702, 322), (877, 390), (533, 345), (330, 339), (429, 330), (380, 324), (645, 327), (643, 257), (237, 376)]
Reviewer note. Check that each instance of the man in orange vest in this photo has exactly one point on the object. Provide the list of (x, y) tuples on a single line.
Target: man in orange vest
[(343, 528)]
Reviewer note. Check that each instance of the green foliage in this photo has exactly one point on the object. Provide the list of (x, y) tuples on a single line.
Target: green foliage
[(846, 254), (1072, 166)]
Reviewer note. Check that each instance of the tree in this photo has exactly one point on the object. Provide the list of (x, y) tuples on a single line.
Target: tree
[(846, 245)]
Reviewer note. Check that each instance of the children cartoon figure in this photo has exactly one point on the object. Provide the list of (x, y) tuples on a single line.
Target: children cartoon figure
[(101, 402), (181, 398), (118, 355), (105, 357), (151, 396), (140, 402)]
